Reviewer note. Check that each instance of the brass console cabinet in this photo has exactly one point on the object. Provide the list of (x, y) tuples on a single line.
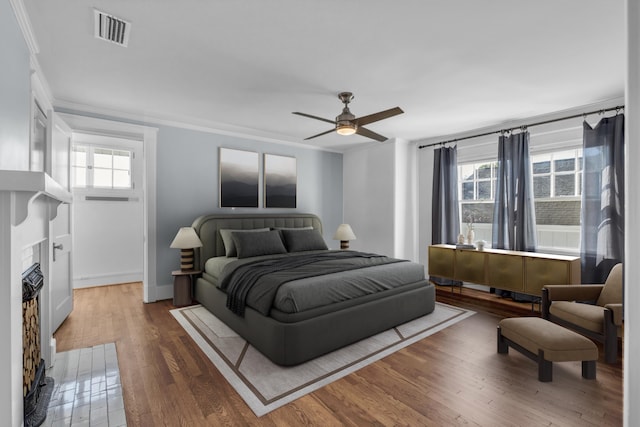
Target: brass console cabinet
[(525, 272)]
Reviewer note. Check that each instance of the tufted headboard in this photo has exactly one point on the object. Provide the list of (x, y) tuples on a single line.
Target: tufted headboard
[(207, 227)]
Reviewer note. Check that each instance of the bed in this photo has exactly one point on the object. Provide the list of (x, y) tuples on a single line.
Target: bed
[(290, 333)]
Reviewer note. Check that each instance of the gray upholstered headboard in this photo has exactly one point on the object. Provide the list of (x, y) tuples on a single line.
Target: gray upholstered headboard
[(207, 227)]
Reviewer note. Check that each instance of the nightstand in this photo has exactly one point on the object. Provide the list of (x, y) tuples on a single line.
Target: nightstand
[(182, 286)]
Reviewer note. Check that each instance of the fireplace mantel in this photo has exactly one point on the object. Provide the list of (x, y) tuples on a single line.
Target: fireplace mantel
[(29, 186), (29, 203)]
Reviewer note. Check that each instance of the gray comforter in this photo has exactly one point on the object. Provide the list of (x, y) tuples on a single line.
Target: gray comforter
[(255, 282)]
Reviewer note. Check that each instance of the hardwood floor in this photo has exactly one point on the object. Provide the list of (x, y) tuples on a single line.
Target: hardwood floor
[(454, 377)]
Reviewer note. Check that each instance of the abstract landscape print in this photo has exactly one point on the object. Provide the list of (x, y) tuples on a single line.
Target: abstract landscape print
[(280, 181), (239, 175)]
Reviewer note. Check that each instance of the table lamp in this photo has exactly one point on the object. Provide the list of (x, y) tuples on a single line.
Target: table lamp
[(186, 240), (344, 233)]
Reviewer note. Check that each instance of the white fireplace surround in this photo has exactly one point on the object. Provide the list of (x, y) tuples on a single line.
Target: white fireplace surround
[(28, 203)]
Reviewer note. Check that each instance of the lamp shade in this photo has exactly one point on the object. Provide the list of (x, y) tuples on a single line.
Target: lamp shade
[(344, 232), (186, 239)]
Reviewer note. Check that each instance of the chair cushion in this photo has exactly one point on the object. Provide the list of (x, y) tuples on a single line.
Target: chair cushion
[(612, 291), (559, 344), (585, 315)]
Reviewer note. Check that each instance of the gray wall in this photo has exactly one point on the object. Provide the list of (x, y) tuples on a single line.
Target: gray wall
[(15, 93), (187, 185)]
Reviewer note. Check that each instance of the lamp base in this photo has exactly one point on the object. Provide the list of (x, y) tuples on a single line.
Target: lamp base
[(186, 259), (344, 244)]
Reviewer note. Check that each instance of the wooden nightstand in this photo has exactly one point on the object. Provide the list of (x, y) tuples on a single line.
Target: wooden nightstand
[(182, 286)]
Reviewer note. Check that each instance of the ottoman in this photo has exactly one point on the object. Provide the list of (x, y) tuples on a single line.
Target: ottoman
[(545, 342)]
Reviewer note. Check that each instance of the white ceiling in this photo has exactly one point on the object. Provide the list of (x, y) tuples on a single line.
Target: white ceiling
[(244, 66)]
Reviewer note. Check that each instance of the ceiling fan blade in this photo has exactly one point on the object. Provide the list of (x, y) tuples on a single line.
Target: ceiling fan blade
[(315, 117), (369, 134), (320, 134), (365, 120)]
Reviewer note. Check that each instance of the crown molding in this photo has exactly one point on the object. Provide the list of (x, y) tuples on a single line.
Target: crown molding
[(25, 25), (183, 123)]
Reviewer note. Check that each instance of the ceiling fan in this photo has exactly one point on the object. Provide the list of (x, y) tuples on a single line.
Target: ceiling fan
[(347, 124)]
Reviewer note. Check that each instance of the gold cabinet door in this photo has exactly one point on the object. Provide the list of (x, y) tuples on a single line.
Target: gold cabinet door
[(506, 272), (441, 261), (541, 272), (470, 266)]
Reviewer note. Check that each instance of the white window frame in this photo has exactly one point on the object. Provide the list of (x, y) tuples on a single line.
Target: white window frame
[(91, 167), (552, 174), (95, 141)]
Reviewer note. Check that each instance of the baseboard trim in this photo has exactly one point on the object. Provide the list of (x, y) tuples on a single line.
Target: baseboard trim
[(107, 279)]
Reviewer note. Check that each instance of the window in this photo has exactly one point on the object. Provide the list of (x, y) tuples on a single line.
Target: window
[(477, 190), (101, 167), (557, 174), (556, 185)]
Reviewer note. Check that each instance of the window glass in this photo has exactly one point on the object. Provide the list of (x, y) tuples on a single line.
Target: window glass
[(103, 158), (121, 179), (542, 167), (100, 167), (467, 191), (102, 178), (541, 187), (122, 160), (484, 171), (565, 165), (484, 190), (79, 156), (565, 185), (467, 172)]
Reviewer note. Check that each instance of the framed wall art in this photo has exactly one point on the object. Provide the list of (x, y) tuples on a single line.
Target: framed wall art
[(239, 174), (280, 181)]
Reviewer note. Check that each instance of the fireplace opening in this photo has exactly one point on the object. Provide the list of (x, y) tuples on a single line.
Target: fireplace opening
[(37, 387)]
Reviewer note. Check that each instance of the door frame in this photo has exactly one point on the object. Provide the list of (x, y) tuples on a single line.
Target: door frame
[(148, 136)]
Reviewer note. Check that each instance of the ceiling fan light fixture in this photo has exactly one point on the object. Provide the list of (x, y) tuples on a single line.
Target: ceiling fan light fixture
[(346, 128)]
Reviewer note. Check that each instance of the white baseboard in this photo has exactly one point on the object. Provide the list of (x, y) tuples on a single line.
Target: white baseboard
[(164, 292), (107, 279)]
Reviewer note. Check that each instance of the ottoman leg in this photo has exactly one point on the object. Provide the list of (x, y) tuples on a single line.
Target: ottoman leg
[(589, 369), (503, 347), (545, 368)]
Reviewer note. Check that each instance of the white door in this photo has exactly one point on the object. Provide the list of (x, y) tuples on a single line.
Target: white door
[(108, 214), (61, 285)]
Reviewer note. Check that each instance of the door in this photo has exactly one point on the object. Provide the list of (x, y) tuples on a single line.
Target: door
[(108, 214), (61, 286)]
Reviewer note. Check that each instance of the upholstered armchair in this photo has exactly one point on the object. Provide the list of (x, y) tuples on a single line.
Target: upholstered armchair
[(594, 311)]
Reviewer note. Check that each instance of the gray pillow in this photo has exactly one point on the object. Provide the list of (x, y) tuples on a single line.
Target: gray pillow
[(229, 244), (290, 228), (303, 240), (256, 244)]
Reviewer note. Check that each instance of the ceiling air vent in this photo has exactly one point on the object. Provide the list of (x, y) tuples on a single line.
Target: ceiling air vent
[(111, 29)]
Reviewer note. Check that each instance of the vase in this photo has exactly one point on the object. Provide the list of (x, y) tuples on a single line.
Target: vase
[(461, 239), (470, 236)]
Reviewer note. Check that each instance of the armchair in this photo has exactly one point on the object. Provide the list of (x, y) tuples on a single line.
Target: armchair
[(595, 311)]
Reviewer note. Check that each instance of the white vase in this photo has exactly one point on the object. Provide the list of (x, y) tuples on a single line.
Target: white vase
[(470, 236), (461, 239)]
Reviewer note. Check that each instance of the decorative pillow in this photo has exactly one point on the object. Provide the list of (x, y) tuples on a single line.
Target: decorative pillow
[(229, 244), (256, 244), (303, 240), (290, 228)]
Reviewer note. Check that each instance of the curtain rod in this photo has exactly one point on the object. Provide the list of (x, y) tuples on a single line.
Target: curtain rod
[(601, 111)]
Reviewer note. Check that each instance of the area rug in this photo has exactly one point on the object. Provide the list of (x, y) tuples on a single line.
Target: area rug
[(265, 386)]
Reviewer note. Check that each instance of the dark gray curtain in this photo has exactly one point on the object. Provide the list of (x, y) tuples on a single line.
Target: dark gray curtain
[(514, 216), (445, 217), (602, 222)]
